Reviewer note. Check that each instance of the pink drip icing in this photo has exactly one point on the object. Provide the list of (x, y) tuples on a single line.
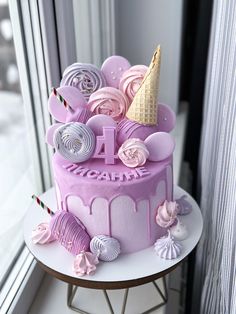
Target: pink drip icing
[(169, 188), (89, 202), (149, 218), (109, 201), (91, 205), (109, 220)]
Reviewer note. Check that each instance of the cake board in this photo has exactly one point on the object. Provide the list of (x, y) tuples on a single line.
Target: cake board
[(128, 270)]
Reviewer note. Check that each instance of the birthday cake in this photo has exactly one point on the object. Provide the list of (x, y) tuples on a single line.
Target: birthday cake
[(112, 164)]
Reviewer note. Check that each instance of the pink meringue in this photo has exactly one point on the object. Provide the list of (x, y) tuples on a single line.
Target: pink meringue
[(166, 214), (85, 263), (42, 234), (133, 153), (109, 101), (131, 80)]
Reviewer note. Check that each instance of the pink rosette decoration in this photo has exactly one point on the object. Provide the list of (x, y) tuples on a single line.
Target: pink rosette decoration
[(42, 234), (132, 79), (166, 214), (85, 263), (133, 153), (109, 101)]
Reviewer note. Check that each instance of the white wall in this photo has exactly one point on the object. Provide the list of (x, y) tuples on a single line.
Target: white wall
[(140, 27)]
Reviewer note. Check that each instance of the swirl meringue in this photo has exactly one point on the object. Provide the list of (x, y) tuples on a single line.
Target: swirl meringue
[(106, 248), (184, 207), (75, 141), (179, 231), (86, 77), (42, 234), (167, 247), (133, 153), (85, 263), (69, 231), (131, 80), (166, 214), (109, 101)]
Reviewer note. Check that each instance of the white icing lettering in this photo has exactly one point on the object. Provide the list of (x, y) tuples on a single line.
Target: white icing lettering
[(131, 174), (70, 167), (104, 176), (81, 171), (115, 176), (142, 171), (92, 174)]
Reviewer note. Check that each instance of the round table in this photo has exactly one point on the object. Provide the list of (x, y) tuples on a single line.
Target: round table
[(128, 270)]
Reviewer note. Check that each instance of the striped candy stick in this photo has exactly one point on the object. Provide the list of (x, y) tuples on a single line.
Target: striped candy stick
[(62, 100), (41, 204)]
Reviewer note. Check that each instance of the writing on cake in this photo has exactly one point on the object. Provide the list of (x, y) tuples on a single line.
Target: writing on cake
[(136, 173)]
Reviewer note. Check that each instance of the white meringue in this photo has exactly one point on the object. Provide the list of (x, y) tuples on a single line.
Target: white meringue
[(167, 247), (179, 231), (106, 248)]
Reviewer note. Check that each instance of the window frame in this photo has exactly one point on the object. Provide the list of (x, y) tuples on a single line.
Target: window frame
[(39, 69), (42, 55)]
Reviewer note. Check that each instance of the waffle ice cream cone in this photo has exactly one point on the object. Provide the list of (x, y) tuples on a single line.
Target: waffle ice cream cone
[(143, 108)]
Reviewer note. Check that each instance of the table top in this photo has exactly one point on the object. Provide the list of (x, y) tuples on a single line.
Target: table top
[(128, 270)]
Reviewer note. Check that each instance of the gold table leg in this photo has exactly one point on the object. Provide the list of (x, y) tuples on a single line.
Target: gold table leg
[(71, 290)]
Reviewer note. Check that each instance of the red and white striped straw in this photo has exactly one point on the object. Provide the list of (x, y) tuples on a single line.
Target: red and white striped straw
[(62, 99), (41, 204)]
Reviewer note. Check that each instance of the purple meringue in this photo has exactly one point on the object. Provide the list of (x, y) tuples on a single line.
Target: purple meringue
[(183, 206), (86, 77), (70, 232), (167, 247)]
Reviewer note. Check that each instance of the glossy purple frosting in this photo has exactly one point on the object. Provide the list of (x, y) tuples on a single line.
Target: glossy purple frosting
[(86, 77), (69, 178), (115, 200)]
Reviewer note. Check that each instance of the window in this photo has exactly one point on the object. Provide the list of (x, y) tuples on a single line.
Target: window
[(16, 167), (24, 166)]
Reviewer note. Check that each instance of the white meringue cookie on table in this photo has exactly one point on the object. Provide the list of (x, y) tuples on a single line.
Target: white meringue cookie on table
[(179, 231), (167, 247), (106, 248)]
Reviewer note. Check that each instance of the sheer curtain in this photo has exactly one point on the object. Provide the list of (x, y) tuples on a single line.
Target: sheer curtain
[(215, 272)]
